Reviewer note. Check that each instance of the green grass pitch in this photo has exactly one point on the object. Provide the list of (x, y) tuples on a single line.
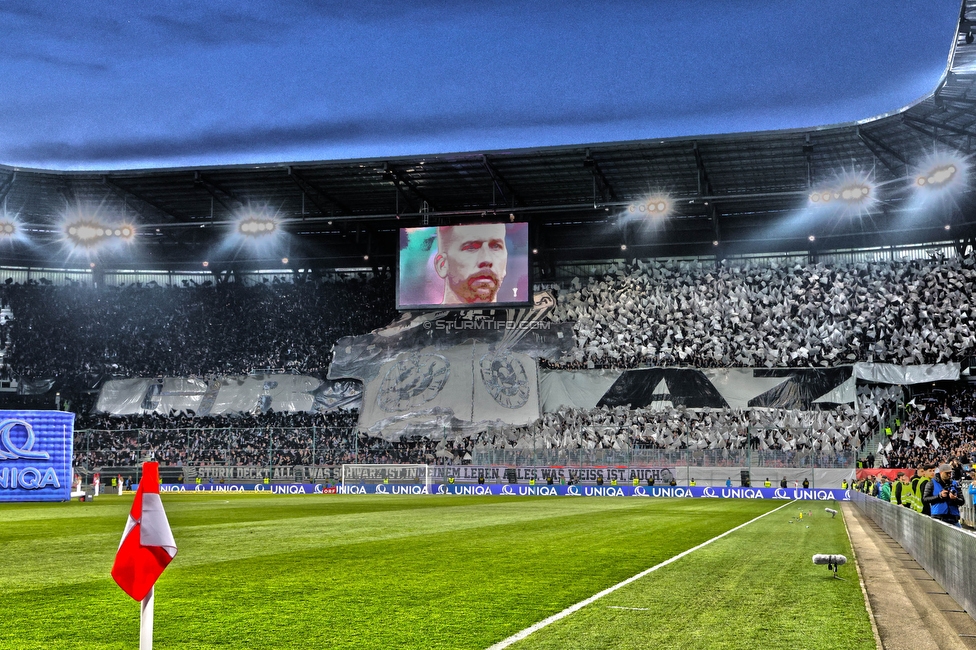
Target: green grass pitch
[(262, 571)]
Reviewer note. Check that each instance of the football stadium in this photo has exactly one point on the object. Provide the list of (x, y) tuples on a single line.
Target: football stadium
[(708, 391)]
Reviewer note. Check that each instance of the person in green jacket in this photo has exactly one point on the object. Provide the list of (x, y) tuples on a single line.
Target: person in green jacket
[(884, 490)]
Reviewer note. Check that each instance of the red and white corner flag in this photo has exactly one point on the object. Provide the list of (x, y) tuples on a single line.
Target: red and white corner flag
[(147, 544)]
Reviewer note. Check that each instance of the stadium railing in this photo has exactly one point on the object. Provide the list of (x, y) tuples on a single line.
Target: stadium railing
[(946, 552)]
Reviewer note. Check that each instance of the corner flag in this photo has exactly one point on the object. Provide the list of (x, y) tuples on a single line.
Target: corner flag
[(147, 544)]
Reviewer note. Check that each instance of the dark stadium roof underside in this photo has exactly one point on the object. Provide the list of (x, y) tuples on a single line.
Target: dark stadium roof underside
[(738, 190)]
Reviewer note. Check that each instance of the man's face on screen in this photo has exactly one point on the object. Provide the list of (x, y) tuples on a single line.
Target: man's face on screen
[(472, 261)]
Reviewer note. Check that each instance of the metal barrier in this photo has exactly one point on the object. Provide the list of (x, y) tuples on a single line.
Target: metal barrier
[(948, 553)]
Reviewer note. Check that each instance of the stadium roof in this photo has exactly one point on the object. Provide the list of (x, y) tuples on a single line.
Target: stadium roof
[(727, 194)]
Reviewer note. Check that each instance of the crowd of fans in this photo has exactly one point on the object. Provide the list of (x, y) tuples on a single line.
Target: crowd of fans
[(939, 425), (934, 450), (223, 329), (331, 438), (674, 428), (247, 439), (737, 314), (656, 313)]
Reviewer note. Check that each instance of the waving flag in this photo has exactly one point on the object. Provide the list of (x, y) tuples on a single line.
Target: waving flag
[(147, 542)]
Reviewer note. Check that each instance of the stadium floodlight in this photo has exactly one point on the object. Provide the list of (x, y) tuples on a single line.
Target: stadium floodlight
[(937, 177), (257, 227), (941, 173), (386, 479), (8, 229), (655, 205), (92, 233), (850, 194)]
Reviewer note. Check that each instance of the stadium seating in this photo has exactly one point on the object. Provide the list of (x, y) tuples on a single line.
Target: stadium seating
[(745, 315), (656, 313)]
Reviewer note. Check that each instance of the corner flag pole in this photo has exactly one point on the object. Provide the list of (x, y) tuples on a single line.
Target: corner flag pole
[(146, 621), (146, 549)]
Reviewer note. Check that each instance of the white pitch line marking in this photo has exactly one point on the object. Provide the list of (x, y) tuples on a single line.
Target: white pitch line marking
[(518, 636), (636, 609)]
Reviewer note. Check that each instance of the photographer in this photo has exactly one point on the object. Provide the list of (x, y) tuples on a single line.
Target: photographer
[(943, 496)]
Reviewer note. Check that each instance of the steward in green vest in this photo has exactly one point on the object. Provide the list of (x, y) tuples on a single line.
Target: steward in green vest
[(635, 482), (692, 483), (926, 476), (531, 482), (897, 488), (843, 484), (908, 494), (767, 483), (613, 482)]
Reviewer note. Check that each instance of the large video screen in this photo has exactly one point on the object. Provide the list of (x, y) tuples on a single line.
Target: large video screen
[(464, 266)]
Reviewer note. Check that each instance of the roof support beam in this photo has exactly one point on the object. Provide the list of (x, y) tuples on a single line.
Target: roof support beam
[(66, 191), (875, 146), (124, 193), (500, 185), (704, 183), (906, 118), (600, 180), (398, 179), (314, 191), (222, 196), (932, 134), (7, 186)]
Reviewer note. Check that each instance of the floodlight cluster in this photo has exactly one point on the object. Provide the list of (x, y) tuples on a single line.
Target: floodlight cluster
[(652, 206), (256, 227), (91, 233), (8, 229), (937, 177), (852, 193)]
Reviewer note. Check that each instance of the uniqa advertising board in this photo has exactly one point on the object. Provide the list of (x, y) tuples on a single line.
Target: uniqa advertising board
[(35, 455), (797, 494)]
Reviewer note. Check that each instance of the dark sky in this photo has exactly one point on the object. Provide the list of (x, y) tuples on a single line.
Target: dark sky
[(108, 84)]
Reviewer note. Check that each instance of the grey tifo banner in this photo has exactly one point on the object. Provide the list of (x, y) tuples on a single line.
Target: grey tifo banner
[(227, 395), (446, 374), (663, 388)]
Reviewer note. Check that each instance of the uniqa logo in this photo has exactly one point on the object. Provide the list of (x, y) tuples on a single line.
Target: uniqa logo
[(10, 451)]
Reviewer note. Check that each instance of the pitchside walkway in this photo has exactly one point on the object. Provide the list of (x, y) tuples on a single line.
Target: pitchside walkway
[(911, 611)]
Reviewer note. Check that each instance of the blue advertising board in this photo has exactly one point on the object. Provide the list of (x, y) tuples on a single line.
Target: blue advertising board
[(506, 489), (35, 455)]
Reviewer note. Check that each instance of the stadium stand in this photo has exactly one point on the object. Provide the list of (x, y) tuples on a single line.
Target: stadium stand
[(63, 331), (939, 425), (664, 313), (642, 314)]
